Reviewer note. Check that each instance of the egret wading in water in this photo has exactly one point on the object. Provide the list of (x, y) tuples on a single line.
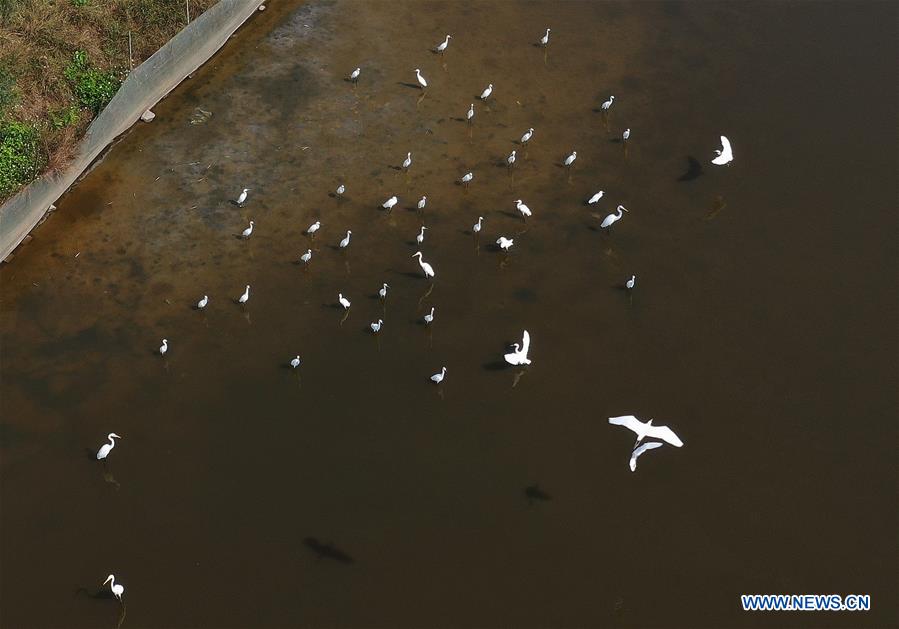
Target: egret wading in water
[(527, 136), (306, 256), (422, 202), (631, 282), (389, 203), (470, 115), (246, 295), (646, 429), (421, 80), (295, 362), (117, 588), (340, 190), (612, 218), (476, 228), (383, 292), (426, 268), (520, 356), (343, 301), (429, 318), (649, 445), (346, 240), (626, 135), (314, 228), (164, 347), (570, 159), (245, 234), (203, 302), (725, 155), (441, 47), (420, 238), (376, 326), (544, 41), (106, 448), (242, 197), (437, 378), (466, 178), (510, 161), (487, 92), (505, 243), (408, 161), (354, 75), (608, 104), (595, 198), (524, 210)]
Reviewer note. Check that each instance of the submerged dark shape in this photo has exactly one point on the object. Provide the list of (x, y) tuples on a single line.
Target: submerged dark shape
[(327, 550), (534, 492), (694, 169)]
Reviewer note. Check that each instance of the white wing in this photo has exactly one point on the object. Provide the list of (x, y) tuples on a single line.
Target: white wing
[(726, 155), (640, 450), (628, 421), (665, 434), (525, 344)]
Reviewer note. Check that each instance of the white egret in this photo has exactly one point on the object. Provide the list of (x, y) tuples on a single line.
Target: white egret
[(649, 445), (609, 220), (523, 209), (477, 226), (295, 362), (343, 301), (631, 282), (511, 159), (346, 240), (383, 292), (422, 202), (429, 318), (164, 347), (725, 155), (246, 295), (487, 92), (437, 378), (106, 448), (340, 190), (570, 159), (420, 238), (442, 45), (421, 79), (117, 588), (376, 326), (354, 75), (202, 303), (314, 228), (626, 135), (466, 178), (646, 429), (505, 243), (520, 356), (242, 197), (606, 105), (527, 136), (426, 268), (470, 115), (408, 161), (306, 256), (389, 203), (248, 231), (596, 197), (545, 39)]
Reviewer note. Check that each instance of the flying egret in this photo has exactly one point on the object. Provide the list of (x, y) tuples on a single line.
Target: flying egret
[(408, 161), (429, 318), (626, 135), (527, 136), (346, 240), (570, 159), (106, 448), (470, 115), (477, 226), (202, 303), (609, 220), (437, 378), (389, 203), (606, 105), (631, 282), (246, 295), (487, 92), (442, 45), (420, 238), (467, 177), (340, 190), (422, 202), (248, 231), (164, 347), (520, 356), (646, 429), (354, 75), (425, 267), (596, 197), (545, 39), (505, 243), (306, 256), (525, 210), (314, 228), (421, 79), (383, 292), (725, 155), (117, 588), (295, 362), (242, 197), (649, 445), (376, 326), (511, 159), (343, 301)]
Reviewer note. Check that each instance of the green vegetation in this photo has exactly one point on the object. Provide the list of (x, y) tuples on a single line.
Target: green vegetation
[(93, 88), (20, 156)]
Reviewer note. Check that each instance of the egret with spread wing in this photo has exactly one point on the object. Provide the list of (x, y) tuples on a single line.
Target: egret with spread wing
[(646, 429)]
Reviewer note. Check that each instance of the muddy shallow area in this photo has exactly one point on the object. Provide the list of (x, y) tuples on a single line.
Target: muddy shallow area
[(352, 492)]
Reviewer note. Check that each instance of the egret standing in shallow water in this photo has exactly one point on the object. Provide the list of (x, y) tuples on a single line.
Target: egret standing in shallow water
[(389, 203), (164, 347), (202, 303), (106, 448), (520, 356), (422, 202), (408, 161), (725, 155), (510, 161), (596, 197), (343, 301), (505, 243), (340, 190), (376, 326), (421, 80), (527, 136), (420, 238), (314, 228), (570, 159), (441, 47), (429, 318), (383, 292), (646, 429), (117, 588), (608, 104), (631, 282), (626, 135), (346, 240), (466, 178), (544, 41), (306, 256), (649, 445), (426, 268), (523, 209), (246, 295), (610, 219), (242, 197), (487, 92), (437, 378), (295, 362), (477, 226), (354, 75), (248, 231), (470, 115)]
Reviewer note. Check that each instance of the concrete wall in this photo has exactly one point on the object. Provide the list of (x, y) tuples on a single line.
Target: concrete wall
[(144, 87)]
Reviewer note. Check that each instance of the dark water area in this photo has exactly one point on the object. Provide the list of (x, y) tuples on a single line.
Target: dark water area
[(353, 492)]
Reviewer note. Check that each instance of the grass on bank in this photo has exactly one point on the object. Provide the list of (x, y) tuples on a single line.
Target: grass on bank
[(61, 61)]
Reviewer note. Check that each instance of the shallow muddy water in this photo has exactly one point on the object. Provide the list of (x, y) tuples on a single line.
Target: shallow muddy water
[(354, 493)]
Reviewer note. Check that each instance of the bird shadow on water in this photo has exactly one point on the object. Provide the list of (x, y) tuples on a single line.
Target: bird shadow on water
[(327, 551), (533, 494), (694, 169), (409, 85)]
